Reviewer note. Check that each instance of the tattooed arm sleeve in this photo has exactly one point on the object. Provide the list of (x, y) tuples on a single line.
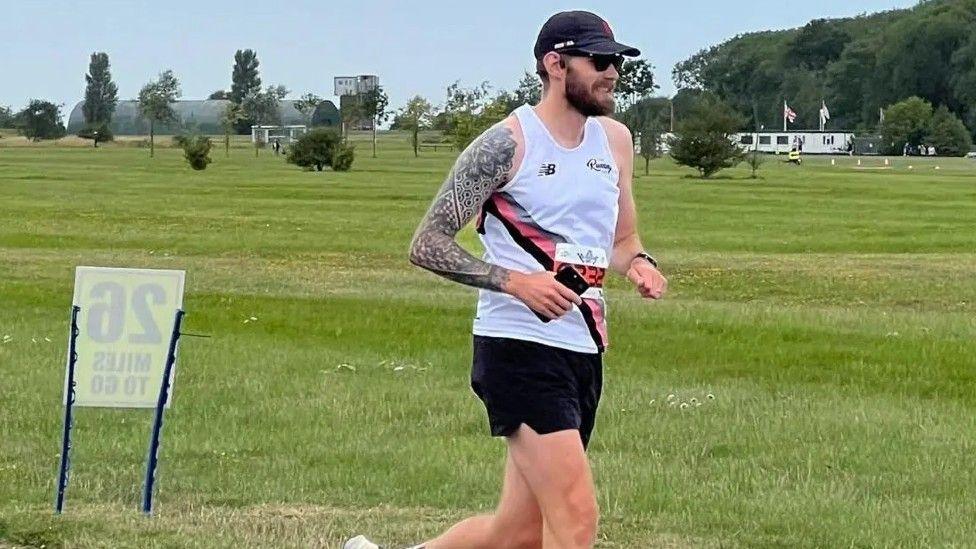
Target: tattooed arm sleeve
[(481, 168)]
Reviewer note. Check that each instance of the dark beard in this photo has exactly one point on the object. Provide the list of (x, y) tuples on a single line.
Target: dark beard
[(582, 99)]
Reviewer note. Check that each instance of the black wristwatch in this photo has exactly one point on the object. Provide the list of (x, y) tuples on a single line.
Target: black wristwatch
[(648, 257)]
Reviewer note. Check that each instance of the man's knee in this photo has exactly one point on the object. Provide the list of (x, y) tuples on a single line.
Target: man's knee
[(581, 517)]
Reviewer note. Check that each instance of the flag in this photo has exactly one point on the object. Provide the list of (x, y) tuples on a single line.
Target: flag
[(788, 113), (824, 115)]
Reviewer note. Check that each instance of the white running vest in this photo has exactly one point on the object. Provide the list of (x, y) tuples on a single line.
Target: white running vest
[(560, 207)]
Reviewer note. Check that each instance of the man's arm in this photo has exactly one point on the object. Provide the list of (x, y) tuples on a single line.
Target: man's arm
[(627, 244), (481, 169)]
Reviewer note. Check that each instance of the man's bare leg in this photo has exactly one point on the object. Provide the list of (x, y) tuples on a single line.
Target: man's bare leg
[(556, 469), (515, 524)]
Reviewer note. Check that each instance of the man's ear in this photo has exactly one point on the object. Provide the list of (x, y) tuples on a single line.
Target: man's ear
[(553, 62)]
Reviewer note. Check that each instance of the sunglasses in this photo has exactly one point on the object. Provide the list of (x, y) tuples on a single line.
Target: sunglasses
[(600, 62)]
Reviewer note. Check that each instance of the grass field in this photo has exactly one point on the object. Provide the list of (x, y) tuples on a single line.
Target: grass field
[(828, 310)]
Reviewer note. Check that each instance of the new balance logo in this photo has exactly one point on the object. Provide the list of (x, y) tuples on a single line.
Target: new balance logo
[(547, 169)]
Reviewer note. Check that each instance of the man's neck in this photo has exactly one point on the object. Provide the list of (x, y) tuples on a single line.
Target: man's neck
[(563, 121)]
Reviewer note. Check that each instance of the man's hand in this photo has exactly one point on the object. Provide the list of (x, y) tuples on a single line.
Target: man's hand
[(649, 281), (542, 293)]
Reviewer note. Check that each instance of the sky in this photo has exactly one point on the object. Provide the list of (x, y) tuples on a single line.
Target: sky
[(414, 47)]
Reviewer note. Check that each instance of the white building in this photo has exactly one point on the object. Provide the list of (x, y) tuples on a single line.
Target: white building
[(355, 85), (808, 142), (283, 134)]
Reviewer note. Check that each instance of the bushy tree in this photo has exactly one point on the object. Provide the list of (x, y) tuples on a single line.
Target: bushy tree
[(101, 97), (264, 107), (245, 82), (636, 82), (6, 117), (98, 132), (156, 103), (948, 134), (306, 105), (196, 150), (648, 120), (319, 148), (906, 122), (342, 157), (529, 90), (474, 110), (702, 139), (40, 120), (415, 116), (219, 94)]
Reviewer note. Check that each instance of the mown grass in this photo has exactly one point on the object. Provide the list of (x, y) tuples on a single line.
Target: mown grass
[(828, 310)]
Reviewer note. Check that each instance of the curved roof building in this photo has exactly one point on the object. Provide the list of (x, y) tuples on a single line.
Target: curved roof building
[(198, 116)]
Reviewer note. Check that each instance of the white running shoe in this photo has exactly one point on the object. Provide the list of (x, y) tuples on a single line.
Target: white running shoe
[(359, 542)]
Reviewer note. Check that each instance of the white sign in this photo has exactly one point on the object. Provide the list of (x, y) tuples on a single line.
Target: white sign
[(125, 324)]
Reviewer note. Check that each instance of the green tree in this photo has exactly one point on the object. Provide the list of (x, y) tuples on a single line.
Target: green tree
[(908, 122), (473, 110), (964, 80), (98, 132), (264, 107), (244, 77), (850, 88), (636, 82), (948, 134), (372, 105), (415, 116), (306, 105), (319, 148), (244, 82), (219, 94), (229, 119), (101, 97), (156, 100), (40, 120), (856, 64), (648, 120), (529, 90), (196, 150), (817, 44), (6, 117), (702, 140)]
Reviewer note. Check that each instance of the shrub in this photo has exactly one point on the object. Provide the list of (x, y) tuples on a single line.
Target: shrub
[(320, 148), (196, 149), (702, 139), (104, 133), (342, 157), (948, 134)]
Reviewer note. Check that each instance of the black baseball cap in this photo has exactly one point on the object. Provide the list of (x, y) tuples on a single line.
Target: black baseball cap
[(579, 31)]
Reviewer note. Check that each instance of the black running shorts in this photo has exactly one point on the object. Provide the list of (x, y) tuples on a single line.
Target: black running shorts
[(547, 388)]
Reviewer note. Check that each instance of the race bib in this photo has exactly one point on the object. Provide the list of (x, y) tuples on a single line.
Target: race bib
[(590, 262)]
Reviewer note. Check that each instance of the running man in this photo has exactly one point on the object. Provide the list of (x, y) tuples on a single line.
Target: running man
[(548, 186)]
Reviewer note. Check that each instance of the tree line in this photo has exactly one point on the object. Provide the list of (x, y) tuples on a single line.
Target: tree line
[(859, 66)]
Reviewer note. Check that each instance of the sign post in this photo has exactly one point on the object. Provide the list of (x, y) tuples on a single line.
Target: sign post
[(118, 356), (153, 456), (68, 406)]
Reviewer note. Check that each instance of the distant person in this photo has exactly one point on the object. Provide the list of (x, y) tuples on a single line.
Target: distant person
[(541, 380)]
